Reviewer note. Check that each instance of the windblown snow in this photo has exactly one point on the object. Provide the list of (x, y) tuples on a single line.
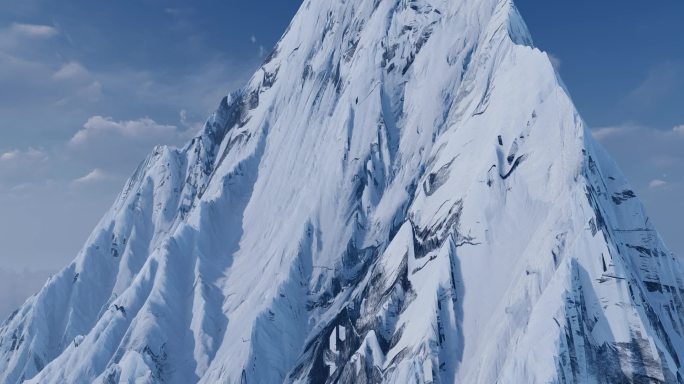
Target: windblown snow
[(403, 192)]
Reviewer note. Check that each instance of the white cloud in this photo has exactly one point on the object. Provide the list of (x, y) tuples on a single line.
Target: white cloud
[(9, 156), (184, 118), (193, 126), (601, 134), (679, 130), (117, 147), (198, 91), (34, 30), (657, 183), (92, 91), (70, 71), (16, 155), (646, 133), (605, 133), (17, 166), (94, 176), (144, 129)]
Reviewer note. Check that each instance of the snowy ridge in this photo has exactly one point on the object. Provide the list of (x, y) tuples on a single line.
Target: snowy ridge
[(404, 190)]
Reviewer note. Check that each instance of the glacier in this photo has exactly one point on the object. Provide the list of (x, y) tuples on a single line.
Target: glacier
[(402, 192)]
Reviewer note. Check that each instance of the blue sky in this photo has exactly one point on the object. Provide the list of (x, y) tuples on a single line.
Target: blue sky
[(87, 88)]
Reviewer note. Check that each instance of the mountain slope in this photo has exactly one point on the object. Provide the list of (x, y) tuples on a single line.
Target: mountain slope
[(403, 191)]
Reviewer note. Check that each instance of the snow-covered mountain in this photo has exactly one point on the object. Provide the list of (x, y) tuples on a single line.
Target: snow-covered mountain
[(403, 192)]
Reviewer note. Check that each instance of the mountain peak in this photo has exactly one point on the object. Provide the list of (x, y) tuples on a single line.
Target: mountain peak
[(402, 189)]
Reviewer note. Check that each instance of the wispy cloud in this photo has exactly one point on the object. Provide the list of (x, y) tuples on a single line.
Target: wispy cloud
[(262, 50), (659, 83), (193, 126), (117, 146), (70, 71), (18, 166), (172, 11), (145, 129), (16, 155), (679, 130), (646, 133), (94, 176), (604, 133), (657, 183), (91, 92), (35, 31)]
